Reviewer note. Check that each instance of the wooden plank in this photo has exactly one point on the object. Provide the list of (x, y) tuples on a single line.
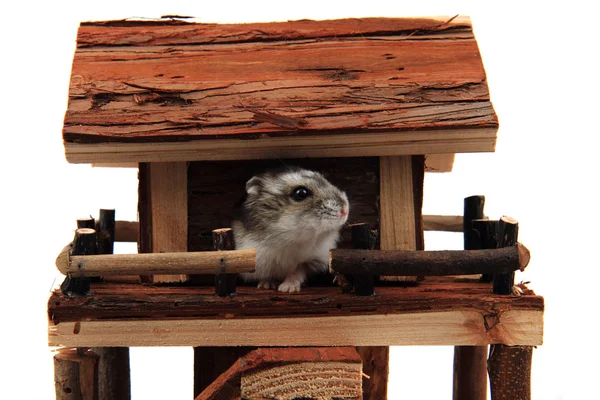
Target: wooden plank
[(439, 162), (467, 327), (140, 302), (397, 207), (168, 202), (339, 145), (165, 32), (134, 83)]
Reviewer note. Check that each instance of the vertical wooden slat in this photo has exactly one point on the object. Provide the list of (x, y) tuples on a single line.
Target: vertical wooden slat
[(400, 202), (168, 208), (396, 204)]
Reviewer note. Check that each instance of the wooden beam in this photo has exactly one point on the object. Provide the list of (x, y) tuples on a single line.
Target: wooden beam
[(439, 162), (126, 231), (168, 211), (450, 328), (433, 163), (208, 262), (323, 146), (446, 223)]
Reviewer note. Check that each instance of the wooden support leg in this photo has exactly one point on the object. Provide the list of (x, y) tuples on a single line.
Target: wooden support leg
[(76, 375), (509, 368), (470, 372), (114, 382), (163, 211)]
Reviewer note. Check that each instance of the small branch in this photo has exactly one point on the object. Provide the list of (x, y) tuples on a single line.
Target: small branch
[(428, 263), (508, 231), (210, 262)]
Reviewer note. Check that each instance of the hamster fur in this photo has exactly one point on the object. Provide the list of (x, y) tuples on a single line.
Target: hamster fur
[(293, 218)]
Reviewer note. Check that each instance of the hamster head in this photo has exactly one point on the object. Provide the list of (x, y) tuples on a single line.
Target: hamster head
[(293, 200)]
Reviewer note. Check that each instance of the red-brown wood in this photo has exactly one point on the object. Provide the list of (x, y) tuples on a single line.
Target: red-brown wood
[(163, 81), (133, 301)]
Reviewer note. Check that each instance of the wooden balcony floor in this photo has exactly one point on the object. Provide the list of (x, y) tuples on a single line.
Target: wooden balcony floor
[(437, 311)]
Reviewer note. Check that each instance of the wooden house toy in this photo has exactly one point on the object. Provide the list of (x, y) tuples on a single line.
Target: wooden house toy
[(200, 108)]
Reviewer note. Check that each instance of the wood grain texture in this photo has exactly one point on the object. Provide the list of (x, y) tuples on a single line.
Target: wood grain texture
[(168, 207), (398, 229), (439, 310), (268, 362), (134, 84), (468, 327)]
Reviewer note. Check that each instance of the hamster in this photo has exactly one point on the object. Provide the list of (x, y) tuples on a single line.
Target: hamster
[(292, 217)]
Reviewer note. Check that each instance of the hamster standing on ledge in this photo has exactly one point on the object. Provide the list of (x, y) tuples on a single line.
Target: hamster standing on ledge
[(293, 218)]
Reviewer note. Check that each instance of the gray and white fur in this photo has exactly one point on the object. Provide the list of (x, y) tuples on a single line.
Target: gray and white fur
[(293, 218)]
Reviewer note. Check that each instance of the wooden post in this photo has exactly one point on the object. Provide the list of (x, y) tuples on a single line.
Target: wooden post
[(163, 211), (508, 231), (86, 223), (470, 373), (509, 367), (114, 381), (105, 229), (223, 240), (361, 239), (76, 375), (84, 244), (400, 201)]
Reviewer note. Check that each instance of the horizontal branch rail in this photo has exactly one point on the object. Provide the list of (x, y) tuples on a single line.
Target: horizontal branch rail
[(209, 262), (428, 263)]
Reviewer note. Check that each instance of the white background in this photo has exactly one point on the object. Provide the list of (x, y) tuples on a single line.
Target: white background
[(541, 61)]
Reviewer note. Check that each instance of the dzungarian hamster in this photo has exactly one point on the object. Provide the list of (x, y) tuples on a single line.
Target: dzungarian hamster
[(293, 218)]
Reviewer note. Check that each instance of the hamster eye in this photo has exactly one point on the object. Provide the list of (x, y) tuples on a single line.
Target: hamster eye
[(300, 193)]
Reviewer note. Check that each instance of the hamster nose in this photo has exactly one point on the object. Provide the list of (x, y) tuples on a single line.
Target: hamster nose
[(344, 212)]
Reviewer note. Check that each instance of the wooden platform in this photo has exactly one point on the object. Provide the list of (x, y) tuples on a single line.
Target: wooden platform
[(439, 311), (147, 91)]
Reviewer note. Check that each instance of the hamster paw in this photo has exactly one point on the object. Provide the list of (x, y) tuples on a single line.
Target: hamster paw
[(289, 286), (267, 285)]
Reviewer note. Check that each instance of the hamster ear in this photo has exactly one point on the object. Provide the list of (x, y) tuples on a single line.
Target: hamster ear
[(254, 185)]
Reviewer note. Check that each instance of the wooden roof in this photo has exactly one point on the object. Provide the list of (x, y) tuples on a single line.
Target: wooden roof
[(176, 91)]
